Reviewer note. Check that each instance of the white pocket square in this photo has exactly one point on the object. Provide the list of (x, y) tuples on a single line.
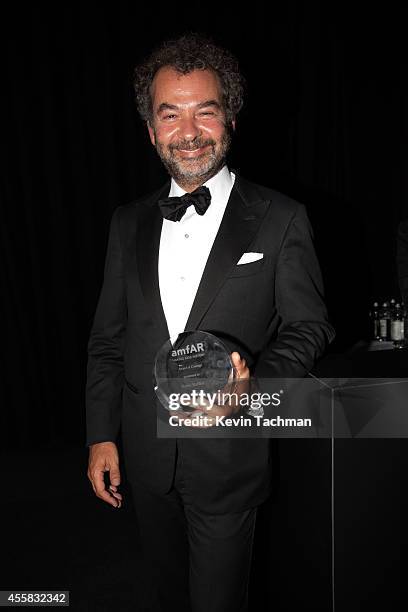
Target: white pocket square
[(249, 258)]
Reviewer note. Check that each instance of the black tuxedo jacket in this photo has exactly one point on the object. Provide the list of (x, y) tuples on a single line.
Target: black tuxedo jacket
[(274, 307)]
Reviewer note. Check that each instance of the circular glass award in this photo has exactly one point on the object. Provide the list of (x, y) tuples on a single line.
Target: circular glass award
[(196, 364)]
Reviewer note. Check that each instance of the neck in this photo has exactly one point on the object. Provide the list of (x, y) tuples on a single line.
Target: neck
[(190, 185)]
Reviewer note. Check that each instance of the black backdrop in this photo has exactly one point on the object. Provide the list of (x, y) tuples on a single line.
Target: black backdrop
[(325, 121)]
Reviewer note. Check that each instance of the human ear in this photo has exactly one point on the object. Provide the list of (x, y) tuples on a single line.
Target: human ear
[(151, 133)]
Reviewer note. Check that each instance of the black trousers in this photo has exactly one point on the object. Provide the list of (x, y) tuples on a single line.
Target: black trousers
[(193, 561)]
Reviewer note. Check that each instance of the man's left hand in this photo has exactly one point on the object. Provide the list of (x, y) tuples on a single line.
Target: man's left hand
[(237, 384)]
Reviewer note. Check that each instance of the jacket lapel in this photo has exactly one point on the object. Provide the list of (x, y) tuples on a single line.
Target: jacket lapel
[(147, 255), (242, 219)]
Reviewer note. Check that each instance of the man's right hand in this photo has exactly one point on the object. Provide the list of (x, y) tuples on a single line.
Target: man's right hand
[(104, 457)]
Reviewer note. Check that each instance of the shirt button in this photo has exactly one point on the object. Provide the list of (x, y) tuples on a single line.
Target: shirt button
[(186, 235)]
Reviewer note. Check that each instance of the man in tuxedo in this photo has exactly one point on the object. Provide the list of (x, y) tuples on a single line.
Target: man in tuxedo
[(211, 251)]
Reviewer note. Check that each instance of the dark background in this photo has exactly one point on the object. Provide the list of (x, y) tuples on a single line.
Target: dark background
[(326, 122)]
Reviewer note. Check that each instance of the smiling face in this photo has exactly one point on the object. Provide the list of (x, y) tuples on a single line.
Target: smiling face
[(188, 127)]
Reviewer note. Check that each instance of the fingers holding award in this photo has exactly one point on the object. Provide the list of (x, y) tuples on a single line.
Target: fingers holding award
[(197, 378)]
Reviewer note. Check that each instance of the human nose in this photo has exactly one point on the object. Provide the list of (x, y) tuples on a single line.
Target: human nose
[(189, 128)]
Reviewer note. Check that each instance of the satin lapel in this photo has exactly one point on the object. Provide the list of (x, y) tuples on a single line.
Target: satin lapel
[(147, 250), (238, 228)]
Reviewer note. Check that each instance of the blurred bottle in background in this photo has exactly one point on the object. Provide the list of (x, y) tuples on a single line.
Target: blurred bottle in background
[(397, 327), (385, 322), (392, 307), (375, 322), (405, 313)]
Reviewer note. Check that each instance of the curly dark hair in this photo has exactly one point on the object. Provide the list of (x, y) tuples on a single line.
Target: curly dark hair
[(190, 52)]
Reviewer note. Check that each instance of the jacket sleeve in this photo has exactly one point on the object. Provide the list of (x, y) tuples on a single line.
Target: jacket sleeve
[(304, 331), (105, 367)]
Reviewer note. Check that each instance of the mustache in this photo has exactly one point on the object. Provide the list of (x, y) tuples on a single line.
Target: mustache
[(191, 146)]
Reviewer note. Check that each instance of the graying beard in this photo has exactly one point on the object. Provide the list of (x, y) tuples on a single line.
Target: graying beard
[(174, 171)]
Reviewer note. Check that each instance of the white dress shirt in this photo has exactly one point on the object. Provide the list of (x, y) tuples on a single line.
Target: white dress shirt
[(184, 249)]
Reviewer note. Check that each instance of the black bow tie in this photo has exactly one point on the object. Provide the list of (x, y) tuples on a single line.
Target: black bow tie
[(174, 208)]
